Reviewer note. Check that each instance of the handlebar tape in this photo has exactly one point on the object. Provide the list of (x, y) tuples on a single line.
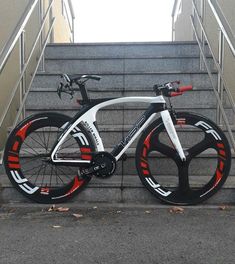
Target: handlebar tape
[(185, 88)]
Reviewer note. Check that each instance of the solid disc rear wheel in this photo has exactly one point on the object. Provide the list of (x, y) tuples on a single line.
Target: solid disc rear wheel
[(207, 165)]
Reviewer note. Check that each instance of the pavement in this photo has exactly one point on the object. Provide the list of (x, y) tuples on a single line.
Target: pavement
[(116, 233)]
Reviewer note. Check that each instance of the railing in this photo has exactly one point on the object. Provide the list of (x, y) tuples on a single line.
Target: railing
[(19, 34), (20, 91), (175, 12), (70, 16), (222, 91)]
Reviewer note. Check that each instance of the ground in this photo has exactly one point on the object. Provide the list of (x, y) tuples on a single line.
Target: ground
[(117, 234)]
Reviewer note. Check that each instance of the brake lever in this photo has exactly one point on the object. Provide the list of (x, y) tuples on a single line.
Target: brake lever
[(68, 91)]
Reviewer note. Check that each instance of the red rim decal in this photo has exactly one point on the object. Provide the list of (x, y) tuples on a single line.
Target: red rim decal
[(15, 146), (13, 159), (22, 132), (14, 166), (85, 153), (76, 185)]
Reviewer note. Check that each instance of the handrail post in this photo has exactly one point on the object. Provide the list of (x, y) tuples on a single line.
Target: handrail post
[(220, 87), (73, 30), (73, 17), (22, 64), (203, 6), (41, 17), (50, 23)]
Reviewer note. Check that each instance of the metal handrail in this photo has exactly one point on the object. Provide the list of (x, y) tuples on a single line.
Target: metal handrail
[(25, 65), (231, 100), (227, 33), (175, 6), (9, 46), (213, 86), (71, 27), (33, 75), (223, 24)]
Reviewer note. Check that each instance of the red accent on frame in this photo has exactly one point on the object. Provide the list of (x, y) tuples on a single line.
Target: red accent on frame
[(13, 159), (15, 146), (22, 132)]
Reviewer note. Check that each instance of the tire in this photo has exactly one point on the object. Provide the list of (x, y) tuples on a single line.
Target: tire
[(184, 183), (27, 160)]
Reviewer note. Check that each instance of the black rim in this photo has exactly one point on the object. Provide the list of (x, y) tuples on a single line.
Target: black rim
[(191, 181), (27, 159)]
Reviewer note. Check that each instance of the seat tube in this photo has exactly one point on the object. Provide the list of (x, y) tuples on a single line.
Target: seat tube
[(166, 117)]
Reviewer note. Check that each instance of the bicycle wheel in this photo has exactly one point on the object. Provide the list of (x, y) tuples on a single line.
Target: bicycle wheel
[(27, 158), (208, 160)]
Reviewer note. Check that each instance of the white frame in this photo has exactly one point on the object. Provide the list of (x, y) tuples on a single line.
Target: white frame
[(90, 118)]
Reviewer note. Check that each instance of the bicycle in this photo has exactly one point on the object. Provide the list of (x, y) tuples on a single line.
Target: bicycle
[(50, 157)]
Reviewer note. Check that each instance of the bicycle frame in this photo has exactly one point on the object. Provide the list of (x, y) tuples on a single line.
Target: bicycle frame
[(87, 117)]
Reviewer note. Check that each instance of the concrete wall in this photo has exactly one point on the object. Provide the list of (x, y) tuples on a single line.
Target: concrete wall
[(182, 26), (183, 32), (10, 14)]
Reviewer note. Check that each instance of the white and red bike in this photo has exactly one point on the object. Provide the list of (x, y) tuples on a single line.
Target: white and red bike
[(50, 157)]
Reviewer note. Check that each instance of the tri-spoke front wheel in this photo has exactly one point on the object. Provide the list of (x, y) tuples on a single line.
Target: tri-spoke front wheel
[(207, 165)]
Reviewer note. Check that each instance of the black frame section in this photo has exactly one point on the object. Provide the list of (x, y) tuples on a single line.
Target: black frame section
[(153, 108)]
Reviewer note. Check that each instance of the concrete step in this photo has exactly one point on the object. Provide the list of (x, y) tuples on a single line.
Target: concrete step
[(133, 181), (123, 50), (112, 134), (135, 65), (109, 195), (137, 81), (117, 189), (159, 164), (48, 98), (117, 116)]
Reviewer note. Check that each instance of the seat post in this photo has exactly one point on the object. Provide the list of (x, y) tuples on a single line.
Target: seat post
[(83, 92)]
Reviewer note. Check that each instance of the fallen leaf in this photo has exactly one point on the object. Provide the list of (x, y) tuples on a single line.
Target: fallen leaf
[(53, 208), (78, 215), (62, 209), (224, 207), (177, 210)]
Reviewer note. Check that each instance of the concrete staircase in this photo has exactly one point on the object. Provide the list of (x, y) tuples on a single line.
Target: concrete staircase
[(127, 69)]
